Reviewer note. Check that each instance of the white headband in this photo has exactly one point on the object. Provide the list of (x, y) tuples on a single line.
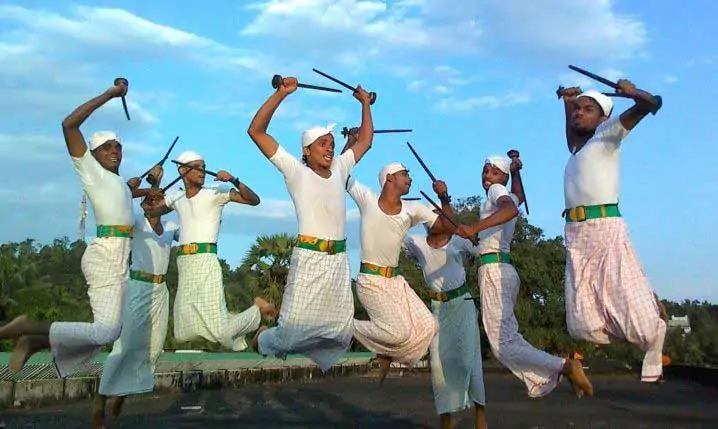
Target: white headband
[(311, 135), (189, 156), (605, 102), (500, 162), (392, 168), (101, 137)]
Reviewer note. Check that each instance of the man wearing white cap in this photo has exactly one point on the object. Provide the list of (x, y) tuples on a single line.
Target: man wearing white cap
[(401, 327), (318, 305), (105, 261), (499, 285), (200, 307), (608, 296), (129, 369), (457, 374)]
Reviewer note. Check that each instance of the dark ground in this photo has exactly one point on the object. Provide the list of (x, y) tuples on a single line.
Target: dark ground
[(402, 402)]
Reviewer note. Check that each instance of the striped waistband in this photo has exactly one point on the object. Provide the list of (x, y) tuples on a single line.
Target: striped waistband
[(378, 270), (193, 248), (142, 276), (330, 247), (122, 231)]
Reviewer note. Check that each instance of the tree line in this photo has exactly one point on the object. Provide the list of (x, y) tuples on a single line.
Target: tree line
[(45, 281)]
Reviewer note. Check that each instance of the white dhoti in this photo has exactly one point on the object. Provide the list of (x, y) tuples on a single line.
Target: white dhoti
[(317, 310), (200, 308), (130, 367), (400, 325), (105, 265), (457, 374), (607, 293), (540, 371)]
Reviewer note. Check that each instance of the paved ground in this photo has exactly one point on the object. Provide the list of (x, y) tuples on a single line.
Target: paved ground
[(402, 402)]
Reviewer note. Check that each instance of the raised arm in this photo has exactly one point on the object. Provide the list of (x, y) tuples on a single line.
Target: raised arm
[(258, 127), (243, 194), (517, 187), (633, 115), (569, 101), (154, 177), (74, 139), (365, 135), (442, 224)]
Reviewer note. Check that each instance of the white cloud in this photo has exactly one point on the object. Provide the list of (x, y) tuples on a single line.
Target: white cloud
[(670, 79), (441, 89), (577, 29), (453, 104), (415, 85)]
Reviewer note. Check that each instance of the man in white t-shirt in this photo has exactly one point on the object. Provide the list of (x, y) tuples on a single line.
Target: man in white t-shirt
[(105, 262), (129, 369), (401, 327), (608, 296), (457, 376), (318, 306), (499, 284), (200, 307)]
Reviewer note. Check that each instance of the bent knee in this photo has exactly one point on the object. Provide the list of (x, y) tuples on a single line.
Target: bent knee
[(105, 334)]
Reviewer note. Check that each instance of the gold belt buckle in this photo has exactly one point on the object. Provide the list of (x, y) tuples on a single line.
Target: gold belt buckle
[(577, 214), (441, 296), (190, 248)]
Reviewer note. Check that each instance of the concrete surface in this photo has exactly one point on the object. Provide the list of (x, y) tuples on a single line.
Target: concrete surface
[(358, 402)]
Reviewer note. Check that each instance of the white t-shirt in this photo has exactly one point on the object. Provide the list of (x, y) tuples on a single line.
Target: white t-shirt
[(199, 216), (592, 175), (151, 252), (109, 195), (320, 203), (497, 238), (382, 235), (443, 268)]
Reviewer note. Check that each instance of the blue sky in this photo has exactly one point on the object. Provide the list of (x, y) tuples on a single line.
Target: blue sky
[(471, 78)]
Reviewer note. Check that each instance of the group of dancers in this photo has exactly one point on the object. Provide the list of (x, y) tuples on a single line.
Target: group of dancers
[(608, 297)]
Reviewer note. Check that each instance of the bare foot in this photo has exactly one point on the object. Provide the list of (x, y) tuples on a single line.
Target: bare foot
[(21, 353), (116, 403), (255, 341), (98, 412), (384, 366), (14, 328), (574, 372), (266, 308)]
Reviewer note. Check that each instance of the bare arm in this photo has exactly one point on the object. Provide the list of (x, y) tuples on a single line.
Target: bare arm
[(157, 209), (507, 210), (351, 140), (631, 117), (74, 139), (243, 195), (442, 224), (569, 98), (258, 127), (517, 187), (365, 136)]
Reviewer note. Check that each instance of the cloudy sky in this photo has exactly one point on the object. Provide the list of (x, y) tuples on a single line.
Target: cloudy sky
[(472, 78)]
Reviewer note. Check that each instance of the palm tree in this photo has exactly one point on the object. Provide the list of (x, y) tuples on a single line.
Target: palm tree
[(267, 262)]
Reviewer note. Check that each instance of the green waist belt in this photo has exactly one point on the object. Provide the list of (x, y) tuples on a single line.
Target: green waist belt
[(583, 213), (142, 276), (123, 231), (450, 294), (492, 258), (377, 270), (320, 245), (193, 248)]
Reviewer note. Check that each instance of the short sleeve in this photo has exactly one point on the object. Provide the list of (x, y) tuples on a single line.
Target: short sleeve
[(172, 199), (285, 162), (611, 133), (222, 195), (422, 214), (344, 164), (88, 169), (359, 192), (497, 191)]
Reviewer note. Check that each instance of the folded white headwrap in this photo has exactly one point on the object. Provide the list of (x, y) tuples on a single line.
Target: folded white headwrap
[(100, 137), (604, 101), (500, 162), (189, 156), (310, 135), (392, 168)]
